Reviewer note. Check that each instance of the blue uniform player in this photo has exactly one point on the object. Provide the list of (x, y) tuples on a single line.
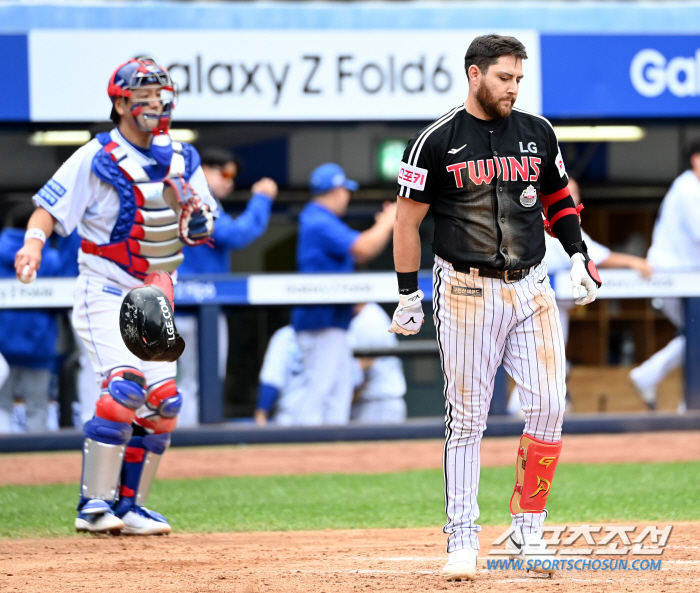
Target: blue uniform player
[(327, 244), (220, 169)]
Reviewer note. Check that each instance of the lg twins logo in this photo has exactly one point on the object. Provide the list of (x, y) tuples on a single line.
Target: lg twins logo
[(651, 74), (505, 168)]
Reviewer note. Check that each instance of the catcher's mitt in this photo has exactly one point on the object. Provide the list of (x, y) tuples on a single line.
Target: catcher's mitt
[(196, 220)]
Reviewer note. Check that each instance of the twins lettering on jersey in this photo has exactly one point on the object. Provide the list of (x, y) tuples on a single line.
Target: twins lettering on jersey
[(504, 168)]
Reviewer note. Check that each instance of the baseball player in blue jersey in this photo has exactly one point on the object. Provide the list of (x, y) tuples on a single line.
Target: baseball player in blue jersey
[(327, 244), (119, 191), (489, 172)]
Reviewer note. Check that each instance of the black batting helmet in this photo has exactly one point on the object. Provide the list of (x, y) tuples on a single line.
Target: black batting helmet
[(147, 325)]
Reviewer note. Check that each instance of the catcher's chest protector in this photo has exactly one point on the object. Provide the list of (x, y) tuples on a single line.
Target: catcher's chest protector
[(146, 237)]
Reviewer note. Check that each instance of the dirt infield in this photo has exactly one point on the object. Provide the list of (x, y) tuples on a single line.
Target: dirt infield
[(320, 562), (259, 460)]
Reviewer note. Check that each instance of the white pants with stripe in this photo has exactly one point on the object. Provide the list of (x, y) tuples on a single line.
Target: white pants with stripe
[(481, 323), (96, 321)]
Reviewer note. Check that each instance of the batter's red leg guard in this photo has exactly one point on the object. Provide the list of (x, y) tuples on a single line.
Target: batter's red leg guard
[(159, 415), (536, 464)]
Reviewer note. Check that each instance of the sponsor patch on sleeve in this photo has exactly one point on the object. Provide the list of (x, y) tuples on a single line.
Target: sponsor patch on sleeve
[(413, 177), (559, 162), (51, 192)]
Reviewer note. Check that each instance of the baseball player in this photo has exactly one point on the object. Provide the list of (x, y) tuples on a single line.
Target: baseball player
[(675, 247), (327, 244), (282, 380), (489, 172), (116, 191), (380, 385)]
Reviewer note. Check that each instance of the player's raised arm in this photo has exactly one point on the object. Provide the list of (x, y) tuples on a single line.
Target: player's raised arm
[(408, 316), (28, 258)]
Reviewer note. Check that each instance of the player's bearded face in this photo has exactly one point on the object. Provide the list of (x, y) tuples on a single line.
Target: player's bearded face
[(498, 87)]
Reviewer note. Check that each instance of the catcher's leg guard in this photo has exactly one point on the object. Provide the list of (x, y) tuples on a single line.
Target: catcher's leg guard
[(106, 436), (159, 414), (143, 456), (536, 464)]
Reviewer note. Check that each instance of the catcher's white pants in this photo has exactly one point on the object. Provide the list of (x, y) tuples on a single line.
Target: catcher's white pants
[(481, 323), (96, 321)]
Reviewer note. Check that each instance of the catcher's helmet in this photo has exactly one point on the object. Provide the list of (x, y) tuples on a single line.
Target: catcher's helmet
[(138, 73), (147, 321)]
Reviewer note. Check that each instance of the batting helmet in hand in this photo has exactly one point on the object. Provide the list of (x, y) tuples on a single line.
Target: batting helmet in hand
[(147, 320)]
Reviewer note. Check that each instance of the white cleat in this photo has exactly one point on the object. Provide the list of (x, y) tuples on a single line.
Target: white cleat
[(532, 549), (138, 522), (99, 523), (461, 565)]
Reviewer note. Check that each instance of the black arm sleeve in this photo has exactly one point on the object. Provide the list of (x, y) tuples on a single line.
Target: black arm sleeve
[(567, 229)]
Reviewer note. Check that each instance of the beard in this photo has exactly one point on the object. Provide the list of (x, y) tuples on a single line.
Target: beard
[(491, 104)]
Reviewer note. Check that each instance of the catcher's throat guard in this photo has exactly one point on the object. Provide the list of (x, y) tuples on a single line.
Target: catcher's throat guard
[(536, 464), (147, 320)]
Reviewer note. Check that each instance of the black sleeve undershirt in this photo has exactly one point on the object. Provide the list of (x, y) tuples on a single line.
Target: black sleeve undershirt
[(567, 229)]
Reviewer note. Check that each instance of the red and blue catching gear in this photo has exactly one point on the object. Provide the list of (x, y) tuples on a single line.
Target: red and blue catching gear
[(145, 73), (139, 73)]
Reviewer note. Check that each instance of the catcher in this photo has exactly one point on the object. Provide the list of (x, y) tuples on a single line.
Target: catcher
[(120, 191)]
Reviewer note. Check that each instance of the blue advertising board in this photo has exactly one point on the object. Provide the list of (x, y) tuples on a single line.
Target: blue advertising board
[(14, 82), (620, 76)]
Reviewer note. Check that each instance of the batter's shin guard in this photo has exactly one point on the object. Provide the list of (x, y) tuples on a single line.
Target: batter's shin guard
[(103, 452), (143, 455), (536, 464)]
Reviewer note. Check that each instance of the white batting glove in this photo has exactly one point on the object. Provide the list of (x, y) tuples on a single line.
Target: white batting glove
[(584, 274), (408, 316)]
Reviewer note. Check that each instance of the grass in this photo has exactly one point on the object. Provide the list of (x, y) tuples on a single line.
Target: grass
[(581, 494)]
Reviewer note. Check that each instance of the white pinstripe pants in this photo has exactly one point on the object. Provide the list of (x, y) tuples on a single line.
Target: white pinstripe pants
[(481, 323)]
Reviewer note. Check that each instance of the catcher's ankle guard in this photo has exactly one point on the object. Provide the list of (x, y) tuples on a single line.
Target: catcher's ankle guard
[(534, 472)]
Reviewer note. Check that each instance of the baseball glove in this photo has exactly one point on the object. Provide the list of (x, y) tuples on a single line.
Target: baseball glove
[(196, 221)]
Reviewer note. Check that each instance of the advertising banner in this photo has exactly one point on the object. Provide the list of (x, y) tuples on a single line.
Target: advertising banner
[(624, 76), (263, 75)]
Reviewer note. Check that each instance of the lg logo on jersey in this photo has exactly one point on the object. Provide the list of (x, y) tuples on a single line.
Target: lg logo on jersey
[(505, 168)]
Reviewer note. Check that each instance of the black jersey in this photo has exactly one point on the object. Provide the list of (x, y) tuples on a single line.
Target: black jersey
[(483, 181)]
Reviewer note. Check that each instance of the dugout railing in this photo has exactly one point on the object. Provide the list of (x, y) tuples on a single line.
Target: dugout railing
[(209, 293)]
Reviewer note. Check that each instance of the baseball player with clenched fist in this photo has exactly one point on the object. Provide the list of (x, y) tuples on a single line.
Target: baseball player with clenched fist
[(492, 176)]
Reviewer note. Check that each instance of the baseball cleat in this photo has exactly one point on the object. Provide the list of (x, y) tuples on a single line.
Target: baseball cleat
[(96, 516), (532, 548), (461, 565), (142, 521)]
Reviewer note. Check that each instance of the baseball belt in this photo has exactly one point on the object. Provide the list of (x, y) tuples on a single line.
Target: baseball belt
[(507, 275)]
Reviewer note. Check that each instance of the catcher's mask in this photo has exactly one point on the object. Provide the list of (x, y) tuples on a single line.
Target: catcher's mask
[(132, 79), (147, 321)]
